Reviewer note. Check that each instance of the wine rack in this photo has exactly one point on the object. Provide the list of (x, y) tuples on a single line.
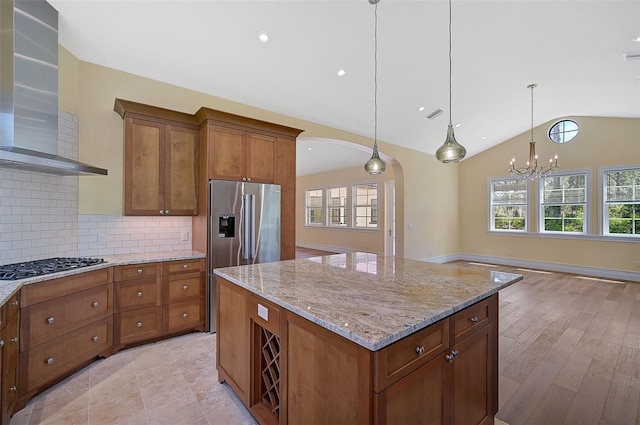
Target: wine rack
[(270, 371)]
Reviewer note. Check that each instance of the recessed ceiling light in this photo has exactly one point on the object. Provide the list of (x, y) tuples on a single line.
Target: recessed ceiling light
[(263, 36), (341, 72), (308, 149), (420, 109), (636, 38), (484, 137), (457, 125)]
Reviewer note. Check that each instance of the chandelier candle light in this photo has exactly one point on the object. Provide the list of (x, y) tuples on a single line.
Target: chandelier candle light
[(532, 171), (375, 165)]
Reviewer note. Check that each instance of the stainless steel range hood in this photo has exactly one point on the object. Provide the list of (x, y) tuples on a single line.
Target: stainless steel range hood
[(29, 90)]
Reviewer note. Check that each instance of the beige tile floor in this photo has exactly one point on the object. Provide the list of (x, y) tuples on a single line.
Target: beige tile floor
[(169, 382)]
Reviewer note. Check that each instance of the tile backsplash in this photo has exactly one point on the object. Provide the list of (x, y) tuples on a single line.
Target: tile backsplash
[(39, 216)]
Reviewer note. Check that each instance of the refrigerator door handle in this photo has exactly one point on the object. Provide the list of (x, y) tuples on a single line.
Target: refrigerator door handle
[(249, 226)]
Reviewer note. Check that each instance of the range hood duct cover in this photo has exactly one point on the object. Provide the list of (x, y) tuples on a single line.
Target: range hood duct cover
[(29, 90)]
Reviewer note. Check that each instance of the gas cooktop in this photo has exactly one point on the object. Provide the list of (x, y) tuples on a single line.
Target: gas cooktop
[(40, 267)]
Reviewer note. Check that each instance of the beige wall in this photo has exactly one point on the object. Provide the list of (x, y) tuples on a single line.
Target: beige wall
[(426, 190), (345, 239), (600, 142)]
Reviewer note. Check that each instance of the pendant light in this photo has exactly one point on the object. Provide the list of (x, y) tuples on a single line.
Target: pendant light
[(532, 171), (450, 151), (375, 165)]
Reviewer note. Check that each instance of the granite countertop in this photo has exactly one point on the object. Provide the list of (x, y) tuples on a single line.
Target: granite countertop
[(372, 300), (10, 287)]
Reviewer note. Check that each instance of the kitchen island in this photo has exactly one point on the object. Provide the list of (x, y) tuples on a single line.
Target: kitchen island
[(360, 338)]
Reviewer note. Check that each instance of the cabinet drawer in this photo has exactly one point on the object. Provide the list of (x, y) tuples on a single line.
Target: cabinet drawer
[(138, 325), (264, 314), (137, 271), (183, 316), (181, 266), (45, 291), (406, 355), (184, 286), (138, 293), (45, 321), (57, 358), (467, 321)]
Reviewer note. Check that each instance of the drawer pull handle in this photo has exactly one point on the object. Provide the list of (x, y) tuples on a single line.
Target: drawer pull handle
[(16, 302), (14, 339), (50, 360), (139, 294), (139, 324), (95, 338), (13, 388), (95, 304), (51, 319), (420, 350), (474, 319), (185, 266), (1, 342), (185, 315), (139, 271), (451, 356), (185, 287)]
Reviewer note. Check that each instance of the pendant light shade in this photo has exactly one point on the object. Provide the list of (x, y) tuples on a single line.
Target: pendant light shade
[(450, 151), (375, 165)]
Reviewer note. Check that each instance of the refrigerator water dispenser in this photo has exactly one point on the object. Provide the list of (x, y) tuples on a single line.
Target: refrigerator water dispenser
[(226, 226)]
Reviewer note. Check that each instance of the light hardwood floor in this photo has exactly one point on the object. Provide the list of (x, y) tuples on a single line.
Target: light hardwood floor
[(569, 353)]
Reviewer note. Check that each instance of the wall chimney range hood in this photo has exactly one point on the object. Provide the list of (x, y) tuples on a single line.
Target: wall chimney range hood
[(29, 90)]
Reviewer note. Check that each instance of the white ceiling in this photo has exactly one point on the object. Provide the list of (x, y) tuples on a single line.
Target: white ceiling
[(571, 49)]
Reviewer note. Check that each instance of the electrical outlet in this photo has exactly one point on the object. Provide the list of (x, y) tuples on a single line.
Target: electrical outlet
[(184, 236)]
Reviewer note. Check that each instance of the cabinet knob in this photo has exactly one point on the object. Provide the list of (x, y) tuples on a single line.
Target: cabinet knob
[(139, 294), (13, 388), (139, 324), (185, 315), (95, 304), (50, 360), (420, 350), (185, 287), (474, 319), (95, 338), (244, 179), (166, 212), (16, 302), (51, 319), (139, 271), (1, 342), (14, 339), (185, 266), (162, 212), (248, 179)]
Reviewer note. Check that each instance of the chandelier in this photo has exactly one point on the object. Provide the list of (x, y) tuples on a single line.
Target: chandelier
[(533, 170)]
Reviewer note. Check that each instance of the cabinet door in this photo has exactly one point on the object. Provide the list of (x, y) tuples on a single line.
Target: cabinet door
[(472, 383), (144, 158), (419, 398), (181, 171), (232, 348), (261, 157), (286, 178), (9, 362), (227, 154)]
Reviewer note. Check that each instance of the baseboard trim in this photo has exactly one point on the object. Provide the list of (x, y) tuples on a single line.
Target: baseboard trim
[(338, 249), (540, 265)]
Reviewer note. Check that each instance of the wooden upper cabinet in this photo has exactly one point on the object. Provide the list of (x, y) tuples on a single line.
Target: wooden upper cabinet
[(241, 155), (160, 160)]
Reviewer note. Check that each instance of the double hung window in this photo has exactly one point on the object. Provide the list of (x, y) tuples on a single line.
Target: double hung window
[(337, 206), (621, 206), (563, 203), (365, 207), (508, 206), (314, 206)]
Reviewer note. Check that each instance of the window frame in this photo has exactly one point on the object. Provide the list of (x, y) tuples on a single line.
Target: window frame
[(344, 207), (586, 215), (370, 206), (490, 216), (308, 207), (603, 204)]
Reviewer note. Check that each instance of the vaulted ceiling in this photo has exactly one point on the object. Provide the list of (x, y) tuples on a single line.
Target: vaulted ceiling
[(572, 49)]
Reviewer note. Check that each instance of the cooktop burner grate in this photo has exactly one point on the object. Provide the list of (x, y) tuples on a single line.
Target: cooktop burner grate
[(40, 267)]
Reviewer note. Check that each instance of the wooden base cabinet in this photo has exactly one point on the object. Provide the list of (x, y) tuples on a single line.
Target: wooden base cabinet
[(9, 350), (288, 370)]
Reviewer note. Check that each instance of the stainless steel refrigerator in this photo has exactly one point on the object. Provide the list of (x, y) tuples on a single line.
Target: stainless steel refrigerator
[(244, 228)]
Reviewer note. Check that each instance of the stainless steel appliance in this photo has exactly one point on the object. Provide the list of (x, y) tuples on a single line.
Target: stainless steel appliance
[(244, 228), (48, 265)]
